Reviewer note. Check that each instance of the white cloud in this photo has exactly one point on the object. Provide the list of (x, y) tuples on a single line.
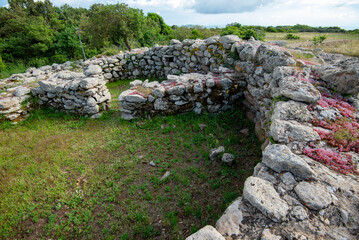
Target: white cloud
[(342, 13), (228, 6)]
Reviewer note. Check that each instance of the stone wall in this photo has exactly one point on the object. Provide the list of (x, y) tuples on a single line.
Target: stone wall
[(179, 94), (299, 190), (292, 194), (188, 56), (78, 93), (15, 91)]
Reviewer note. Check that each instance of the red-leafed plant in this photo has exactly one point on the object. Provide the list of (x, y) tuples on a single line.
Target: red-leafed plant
[(332, 159)]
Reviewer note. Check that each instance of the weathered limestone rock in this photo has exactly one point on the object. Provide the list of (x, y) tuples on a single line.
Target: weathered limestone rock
[(135, 98), (281, 159), (271, 57), (286, 132), (291, 110), (216, 152), (21, 91), (135, 83), (261, 194), (299, 213), (315, 197), (267, 235), (342, 77), (93, 70), (161, 104), (228, 158), (229, 39), (47, 86), (8, 102), (229, 223), (89, 82), (299, 90), (206, 233)]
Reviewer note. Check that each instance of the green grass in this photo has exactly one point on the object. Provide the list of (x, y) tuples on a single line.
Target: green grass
[(343, 43), (67, 177), (13, 68)]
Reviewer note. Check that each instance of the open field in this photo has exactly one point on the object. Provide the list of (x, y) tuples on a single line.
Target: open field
[(343, 43), (65, 177)]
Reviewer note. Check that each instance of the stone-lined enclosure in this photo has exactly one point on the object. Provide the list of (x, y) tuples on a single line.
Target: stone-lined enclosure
[(290, 195)]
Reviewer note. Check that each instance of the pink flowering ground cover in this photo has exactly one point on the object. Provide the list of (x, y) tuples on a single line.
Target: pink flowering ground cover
[(343, 135)]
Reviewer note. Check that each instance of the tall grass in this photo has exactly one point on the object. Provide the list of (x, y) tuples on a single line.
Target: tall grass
[(342, 43), (12, 68)]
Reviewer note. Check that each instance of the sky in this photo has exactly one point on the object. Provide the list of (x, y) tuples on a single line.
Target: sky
[(342, 13)]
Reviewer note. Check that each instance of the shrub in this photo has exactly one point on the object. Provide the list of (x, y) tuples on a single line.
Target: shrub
[(291, 36), (59, 58), (2, 65), (38, 62), (317, 40), (196, 34)]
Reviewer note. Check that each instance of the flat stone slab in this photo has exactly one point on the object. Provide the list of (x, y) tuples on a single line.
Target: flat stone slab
[(9, 102), (206, 233), (314, 196), (281, 159), (90, 82), (261, 194), (21, 91)]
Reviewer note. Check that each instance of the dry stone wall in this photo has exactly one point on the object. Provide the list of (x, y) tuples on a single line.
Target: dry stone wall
[(15, 91), (188, 56), (178, 94), (292, 194), (78, 93), (62, 86)]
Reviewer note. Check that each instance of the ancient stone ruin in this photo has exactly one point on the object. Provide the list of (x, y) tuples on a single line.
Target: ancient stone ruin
[(306, 186)]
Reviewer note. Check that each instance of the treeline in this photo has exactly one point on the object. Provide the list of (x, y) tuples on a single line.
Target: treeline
[(36, 33), (305, 28)]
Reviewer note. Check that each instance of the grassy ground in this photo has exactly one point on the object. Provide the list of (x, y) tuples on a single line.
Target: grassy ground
[(65, 177), (13, 69), (347, 44)]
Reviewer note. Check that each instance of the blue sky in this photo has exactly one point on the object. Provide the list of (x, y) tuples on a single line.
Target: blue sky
[(342, 13)]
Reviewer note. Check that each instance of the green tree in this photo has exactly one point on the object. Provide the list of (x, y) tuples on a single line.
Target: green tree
[(165, 29), (67, 43), (113, 24), (196, 34)]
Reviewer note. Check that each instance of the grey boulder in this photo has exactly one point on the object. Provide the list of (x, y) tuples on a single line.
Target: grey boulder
[(206, 233), (315, 197), (93, 70), (286, 132), (281, 159), (261, 194)]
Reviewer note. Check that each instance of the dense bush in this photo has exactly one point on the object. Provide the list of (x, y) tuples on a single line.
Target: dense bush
[(244, 32), (37, 33), (291, 36)]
